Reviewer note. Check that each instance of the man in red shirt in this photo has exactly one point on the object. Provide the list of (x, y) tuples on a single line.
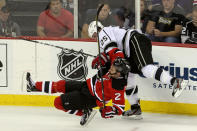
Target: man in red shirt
[(55, 21)]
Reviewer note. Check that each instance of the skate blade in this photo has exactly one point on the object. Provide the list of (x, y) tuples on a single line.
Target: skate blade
[(179, 91), (93, 113), (133, 117)]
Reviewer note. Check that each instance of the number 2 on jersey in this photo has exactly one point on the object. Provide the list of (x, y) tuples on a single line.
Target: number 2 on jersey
[(117, 96)]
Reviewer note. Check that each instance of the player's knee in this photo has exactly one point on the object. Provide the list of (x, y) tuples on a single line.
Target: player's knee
[(67, 102), (58, 103), (149, 71)]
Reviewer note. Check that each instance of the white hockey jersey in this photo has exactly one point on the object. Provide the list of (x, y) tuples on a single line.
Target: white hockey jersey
[(112, 37)]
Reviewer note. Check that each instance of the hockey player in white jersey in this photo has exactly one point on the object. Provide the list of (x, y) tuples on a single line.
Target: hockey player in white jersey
[(137, 49)]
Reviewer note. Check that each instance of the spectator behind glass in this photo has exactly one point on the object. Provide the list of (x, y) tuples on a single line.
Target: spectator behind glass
[(165, 25), (158, 6), (69, 5), (55, 21), (191, 28), (8, 28), (145, 14), (126, 18), (104, 17), (2, 3)]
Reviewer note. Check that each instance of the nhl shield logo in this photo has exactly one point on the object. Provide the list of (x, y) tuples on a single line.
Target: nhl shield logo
[(72, 65)]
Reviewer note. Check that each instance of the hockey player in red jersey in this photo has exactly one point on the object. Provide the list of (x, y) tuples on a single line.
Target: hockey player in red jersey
[(80, 97), (137, 49)]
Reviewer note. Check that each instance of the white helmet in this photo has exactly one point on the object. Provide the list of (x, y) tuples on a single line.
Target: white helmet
[(92, 28)]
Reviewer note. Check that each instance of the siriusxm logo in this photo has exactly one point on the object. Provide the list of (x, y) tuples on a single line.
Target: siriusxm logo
[(180, 72)]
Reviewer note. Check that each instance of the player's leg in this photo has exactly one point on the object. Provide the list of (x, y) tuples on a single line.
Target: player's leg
[(142, 53), (132, 96), (30, 83), (51, 86), (59, 105), (77, 102), (45, 86)]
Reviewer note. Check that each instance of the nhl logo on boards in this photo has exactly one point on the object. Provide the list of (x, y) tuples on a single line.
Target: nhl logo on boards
[(72, 65)]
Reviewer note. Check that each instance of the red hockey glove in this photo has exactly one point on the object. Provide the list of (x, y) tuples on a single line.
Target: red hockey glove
[(96, 63), (108, 112)]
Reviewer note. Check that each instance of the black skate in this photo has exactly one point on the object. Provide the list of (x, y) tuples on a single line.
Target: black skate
[(178, 87), (135, 112), (30, 83), (87, 116)]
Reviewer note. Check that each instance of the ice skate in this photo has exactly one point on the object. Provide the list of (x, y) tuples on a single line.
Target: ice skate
[(178, 87), (135, 112), (30, 83), (87, 116)]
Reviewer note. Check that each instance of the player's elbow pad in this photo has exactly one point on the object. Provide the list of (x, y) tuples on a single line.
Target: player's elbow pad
[(115, 53)]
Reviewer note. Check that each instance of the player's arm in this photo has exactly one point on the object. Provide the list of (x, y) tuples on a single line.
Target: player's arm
[(119, 69), (108, 44), (118, 101), (113, 52)]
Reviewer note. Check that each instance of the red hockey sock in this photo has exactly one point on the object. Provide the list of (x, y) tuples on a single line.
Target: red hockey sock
[(59, 106), (51, 87)]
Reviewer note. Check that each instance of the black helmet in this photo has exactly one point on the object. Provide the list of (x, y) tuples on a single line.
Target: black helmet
[(122, 65)]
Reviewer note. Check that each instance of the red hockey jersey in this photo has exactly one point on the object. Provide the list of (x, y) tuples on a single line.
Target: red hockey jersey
[(110, 93)]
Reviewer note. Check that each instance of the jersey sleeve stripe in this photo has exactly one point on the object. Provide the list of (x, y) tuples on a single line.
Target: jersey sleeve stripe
[(93, 84), (110, 45)]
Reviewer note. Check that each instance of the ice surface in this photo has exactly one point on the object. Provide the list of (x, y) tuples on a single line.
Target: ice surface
[(17, 118)]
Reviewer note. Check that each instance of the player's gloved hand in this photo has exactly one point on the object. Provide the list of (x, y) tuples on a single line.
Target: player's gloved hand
[(96, 63), (108, 112)]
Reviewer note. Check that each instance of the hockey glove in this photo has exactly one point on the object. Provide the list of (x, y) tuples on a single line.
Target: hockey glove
[(96, 64), (108, 112)]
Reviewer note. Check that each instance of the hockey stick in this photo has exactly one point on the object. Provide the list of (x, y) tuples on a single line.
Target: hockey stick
[(99, 51), (46, 44)]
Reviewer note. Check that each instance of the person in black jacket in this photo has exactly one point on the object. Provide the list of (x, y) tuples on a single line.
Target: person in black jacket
[(191, 28)]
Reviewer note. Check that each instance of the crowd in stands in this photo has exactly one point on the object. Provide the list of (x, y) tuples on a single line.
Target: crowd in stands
[(172, 21)]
